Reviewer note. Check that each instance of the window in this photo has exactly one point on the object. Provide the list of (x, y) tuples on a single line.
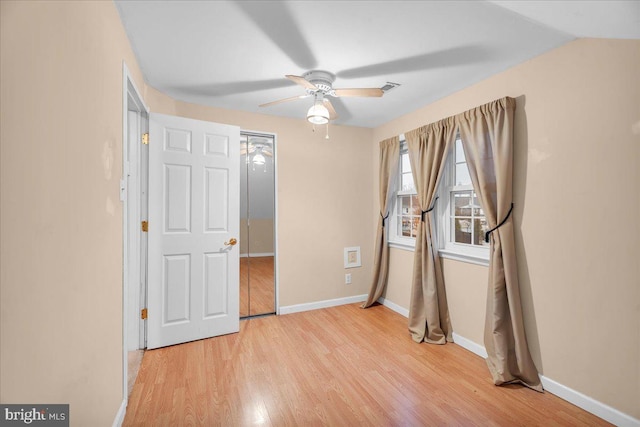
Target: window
[(462, 223), (404, 214)]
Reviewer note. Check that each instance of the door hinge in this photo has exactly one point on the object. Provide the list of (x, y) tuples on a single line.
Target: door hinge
[(145, 226), (145, 138), (143, 313)]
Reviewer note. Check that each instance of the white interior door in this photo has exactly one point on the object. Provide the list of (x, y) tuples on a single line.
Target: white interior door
[(193, 277)]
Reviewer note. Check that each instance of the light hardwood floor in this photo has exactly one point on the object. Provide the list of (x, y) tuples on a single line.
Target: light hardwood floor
[(341, 366), (257, 286)]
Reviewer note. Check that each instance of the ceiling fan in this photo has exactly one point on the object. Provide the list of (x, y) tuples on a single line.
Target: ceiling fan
[(319, 84), (255, 149), (256, 144)]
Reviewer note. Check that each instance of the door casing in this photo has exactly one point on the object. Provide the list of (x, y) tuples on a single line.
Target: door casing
[(133, 208)]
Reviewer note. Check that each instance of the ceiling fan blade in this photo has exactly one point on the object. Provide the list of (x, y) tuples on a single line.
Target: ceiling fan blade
[(302, 82), (332, 111), (293, 98), (455, 56), (366, 92), (278, 23), (232, 88)]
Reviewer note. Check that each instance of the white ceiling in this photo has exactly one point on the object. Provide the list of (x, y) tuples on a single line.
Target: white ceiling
[(235, 54)]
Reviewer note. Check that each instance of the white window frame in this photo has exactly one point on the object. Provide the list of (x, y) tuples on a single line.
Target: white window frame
[(448, 248), (397, 240)]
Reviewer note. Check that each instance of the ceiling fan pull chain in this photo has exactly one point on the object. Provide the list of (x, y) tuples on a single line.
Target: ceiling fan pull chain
[(327, 135)]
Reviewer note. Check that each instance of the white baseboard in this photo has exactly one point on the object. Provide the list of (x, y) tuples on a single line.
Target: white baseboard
[(321, 304), (117, 422), (469, 345), (393, 306), (256, 255), (587, 403)]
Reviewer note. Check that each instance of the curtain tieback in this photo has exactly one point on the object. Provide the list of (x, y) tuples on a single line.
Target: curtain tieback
[(384, 218), (433, 205), (486, 235)]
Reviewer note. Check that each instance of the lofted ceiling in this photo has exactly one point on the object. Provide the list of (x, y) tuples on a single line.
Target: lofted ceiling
[(235, 54)]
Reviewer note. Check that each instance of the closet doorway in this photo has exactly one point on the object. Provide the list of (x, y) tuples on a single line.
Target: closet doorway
[(257, 225)]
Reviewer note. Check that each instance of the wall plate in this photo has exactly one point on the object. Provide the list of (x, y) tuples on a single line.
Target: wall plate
[(352, 257)]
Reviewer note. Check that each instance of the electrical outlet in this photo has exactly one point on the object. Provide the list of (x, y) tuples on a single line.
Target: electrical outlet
[(347, 278)]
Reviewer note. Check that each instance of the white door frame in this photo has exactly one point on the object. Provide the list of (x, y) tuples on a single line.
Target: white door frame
[(131, 242)]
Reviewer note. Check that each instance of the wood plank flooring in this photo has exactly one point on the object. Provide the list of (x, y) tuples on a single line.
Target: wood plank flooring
[(340, 366), (257, 286)]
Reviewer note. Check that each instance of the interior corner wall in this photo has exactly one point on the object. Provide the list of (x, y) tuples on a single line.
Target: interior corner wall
[(61, 218), (577, 198), (323, 199)]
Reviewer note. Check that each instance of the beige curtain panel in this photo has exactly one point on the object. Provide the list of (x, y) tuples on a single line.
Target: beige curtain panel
[(487, 139), (389, 161), (428, 312)]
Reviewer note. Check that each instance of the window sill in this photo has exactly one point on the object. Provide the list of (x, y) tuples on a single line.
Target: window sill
[(458, 256), (405, 246), (444, 253)]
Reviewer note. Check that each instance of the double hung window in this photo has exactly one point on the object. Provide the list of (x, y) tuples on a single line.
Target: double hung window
[(460, 221), (405, 211)]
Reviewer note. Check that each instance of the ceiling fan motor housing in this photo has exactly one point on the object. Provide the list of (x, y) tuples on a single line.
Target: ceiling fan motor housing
[(323, 80)]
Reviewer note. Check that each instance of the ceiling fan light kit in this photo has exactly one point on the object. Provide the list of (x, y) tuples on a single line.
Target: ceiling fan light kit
[(318, 114), (319, 84), (258, 159)]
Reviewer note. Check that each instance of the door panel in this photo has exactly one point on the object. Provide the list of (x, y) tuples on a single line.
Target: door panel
[(216, 194), (193, 214), (176, 286), (215, 279), (177, 197)]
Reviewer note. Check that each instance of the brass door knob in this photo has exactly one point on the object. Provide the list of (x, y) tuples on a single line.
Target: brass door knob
[(232, 241)]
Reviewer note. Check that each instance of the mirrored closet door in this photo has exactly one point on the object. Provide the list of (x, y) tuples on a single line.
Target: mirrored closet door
[(257, 212)]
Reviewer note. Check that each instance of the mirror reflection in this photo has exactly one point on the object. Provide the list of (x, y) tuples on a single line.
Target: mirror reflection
[(257, 211)]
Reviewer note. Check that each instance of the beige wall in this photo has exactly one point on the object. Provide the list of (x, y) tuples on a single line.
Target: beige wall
[(61, 221), (577, 198)]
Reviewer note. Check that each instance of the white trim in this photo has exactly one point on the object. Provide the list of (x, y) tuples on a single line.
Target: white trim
[(572, 396), (128, 87), (257, 255), (459, 256), (589, 404), (117, 422), (393, 306), (126, 78), (276, 258), (405, 246), (297, 308), (467, 344)]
